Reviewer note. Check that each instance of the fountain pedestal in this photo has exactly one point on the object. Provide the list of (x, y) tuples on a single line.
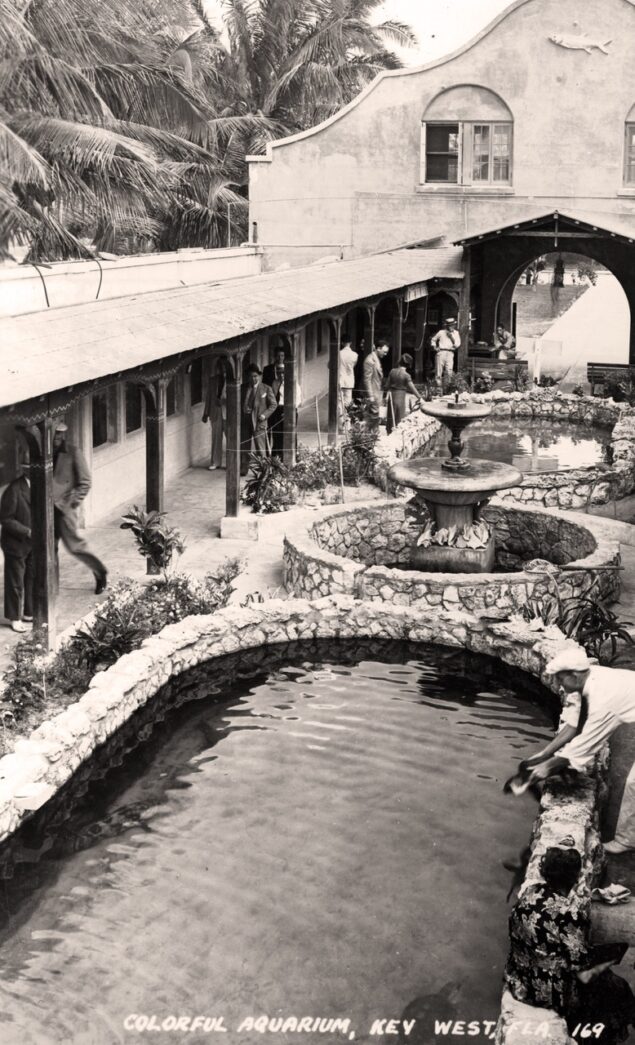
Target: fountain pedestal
[(453, 490)]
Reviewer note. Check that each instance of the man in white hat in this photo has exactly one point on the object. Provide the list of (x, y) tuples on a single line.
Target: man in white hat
[(609, 696), (445, 344)]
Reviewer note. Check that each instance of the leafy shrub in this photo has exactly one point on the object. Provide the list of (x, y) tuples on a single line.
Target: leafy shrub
[(521, 379), (315, 469), (156, 541), (131, 613), (619, 386), (585, 618), (484, 382), (269, 487), (457, 382), (547, 381), (578, 390)]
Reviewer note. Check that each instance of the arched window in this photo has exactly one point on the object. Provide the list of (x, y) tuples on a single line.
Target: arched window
[(629, 149), (466, 138)]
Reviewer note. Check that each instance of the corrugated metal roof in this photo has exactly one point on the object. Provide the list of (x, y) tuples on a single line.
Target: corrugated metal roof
[(45, 351)]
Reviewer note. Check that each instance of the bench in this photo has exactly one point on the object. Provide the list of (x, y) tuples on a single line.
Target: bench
[(600, 373), (502, 371)]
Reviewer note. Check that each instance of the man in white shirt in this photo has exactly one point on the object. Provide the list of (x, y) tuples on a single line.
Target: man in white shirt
[(445, 344), (609, 696), (348, 362)]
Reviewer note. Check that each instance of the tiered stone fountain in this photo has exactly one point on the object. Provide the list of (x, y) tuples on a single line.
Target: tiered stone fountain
[(454, 491)]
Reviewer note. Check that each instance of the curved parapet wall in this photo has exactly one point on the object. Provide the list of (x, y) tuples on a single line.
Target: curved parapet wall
[(355, 553), (573, 489)]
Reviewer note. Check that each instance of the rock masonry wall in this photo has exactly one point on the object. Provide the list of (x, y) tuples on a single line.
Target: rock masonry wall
[(577, 488), (350, 552), (43, 763)]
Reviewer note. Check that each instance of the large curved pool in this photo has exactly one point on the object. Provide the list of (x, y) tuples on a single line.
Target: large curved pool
[(318, 836)]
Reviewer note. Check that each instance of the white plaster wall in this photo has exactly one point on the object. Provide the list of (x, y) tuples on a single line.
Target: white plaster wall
[(355, 180)]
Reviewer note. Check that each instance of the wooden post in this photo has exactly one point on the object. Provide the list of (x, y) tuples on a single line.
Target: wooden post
[(421, 314), (232, 485), (155, 444), (464, 309), (45, 582), (397, 332), (290, 418), (155, 449), (371, 327), (334, 381)]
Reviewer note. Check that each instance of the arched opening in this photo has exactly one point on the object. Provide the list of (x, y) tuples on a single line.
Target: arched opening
[(566, 310)]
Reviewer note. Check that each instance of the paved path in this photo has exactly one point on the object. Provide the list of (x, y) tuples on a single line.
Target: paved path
[(596, 328)]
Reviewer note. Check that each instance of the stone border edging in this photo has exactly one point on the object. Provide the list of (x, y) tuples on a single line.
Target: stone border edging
[(313, 571), (574, 488), (43, 763)]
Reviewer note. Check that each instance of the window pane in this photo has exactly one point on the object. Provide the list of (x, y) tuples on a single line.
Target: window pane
[(630, 154), (196, 382), (480, 152), (501, 151), (134, 409), (170, 398), (100, 418), (442, 152)]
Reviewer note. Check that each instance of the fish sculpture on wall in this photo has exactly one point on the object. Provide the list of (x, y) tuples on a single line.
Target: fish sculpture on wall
[(580, 43)]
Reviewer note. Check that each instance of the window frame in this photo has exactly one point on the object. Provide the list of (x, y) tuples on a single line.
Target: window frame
[(629, 151), (465, 154), (133, 431)]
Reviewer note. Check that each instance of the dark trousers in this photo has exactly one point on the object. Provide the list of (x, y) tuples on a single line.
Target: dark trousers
[(18, 586), (66, 531), (276, 432)]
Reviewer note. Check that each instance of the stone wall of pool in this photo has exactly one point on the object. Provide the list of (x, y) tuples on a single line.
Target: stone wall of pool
[(574, 489), (354, 553), (43, 763)]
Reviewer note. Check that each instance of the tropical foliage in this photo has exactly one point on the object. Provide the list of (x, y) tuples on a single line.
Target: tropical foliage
[(124, 125)]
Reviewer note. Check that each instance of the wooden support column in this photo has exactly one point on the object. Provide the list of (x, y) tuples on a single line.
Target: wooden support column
[(40, 442), (232, 484), (154, 394), (369, 328), (397, 332), (421, 315), (464, 310), (290, 418), (334, 381)]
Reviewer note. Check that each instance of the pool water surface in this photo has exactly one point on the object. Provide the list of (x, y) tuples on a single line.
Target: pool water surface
[(323, 838), (531, 447)]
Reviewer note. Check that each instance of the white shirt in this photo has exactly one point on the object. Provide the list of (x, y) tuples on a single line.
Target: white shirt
[(280, 393), (447, 340), (348, 361), (610, 696)]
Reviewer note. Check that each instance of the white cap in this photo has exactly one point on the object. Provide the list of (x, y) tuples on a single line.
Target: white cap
[(573, 659)]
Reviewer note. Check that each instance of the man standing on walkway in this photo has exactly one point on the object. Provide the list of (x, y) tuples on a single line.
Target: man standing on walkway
[(276, 419), (347, 364), (259, 405), (16, 544), (71, 483), (609, 696), (445, 345), (374, 374)]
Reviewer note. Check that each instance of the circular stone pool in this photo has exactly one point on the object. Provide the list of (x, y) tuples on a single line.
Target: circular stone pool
[(318, 835), (537, 446)]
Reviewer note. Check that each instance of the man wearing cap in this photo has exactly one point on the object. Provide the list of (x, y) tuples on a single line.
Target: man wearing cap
[(445, 344), (71, 483), (609, 696)]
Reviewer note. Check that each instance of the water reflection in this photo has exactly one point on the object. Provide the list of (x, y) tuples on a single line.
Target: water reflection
[(523, 446)]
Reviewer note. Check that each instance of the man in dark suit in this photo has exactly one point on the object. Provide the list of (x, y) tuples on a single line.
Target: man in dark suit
[(259, 404), (271, 369), (71, 483), (15, 541)]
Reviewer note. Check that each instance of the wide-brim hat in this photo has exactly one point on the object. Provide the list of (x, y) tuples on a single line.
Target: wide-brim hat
[(450, 321), (61, 427), (574, 659)]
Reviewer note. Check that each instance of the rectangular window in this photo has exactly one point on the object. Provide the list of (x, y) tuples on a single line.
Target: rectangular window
[(134, 408), (196, 381), (467, 153), (100, 419), (442, 152), (629, 159), (170, 398)]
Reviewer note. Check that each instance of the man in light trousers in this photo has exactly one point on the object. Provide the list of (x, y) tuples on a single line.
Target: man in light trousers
[(609, 696), (445, 345)]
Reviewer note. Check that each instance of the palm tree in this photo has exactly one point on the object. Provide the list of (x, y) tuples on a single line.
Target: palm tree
[(298, 61), (105, 136)]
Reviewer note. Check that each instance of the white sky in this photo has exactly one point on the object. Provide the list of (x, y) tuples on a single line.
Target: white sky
[(441, 25)]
